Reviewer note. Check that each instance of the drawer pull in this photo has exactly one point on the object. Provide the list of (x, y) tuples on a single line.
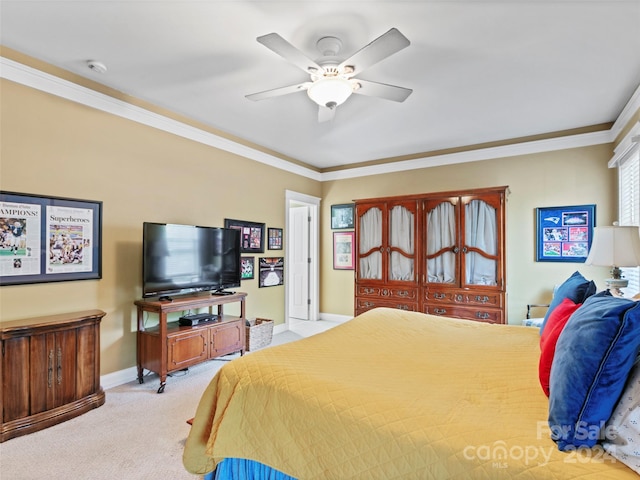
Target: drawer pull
[(369, 291), (482, 315), (440, 311), (50, 370), (369, 304), (459, 298), (403, 293), (59, 365), (439, 296), (482, 299)]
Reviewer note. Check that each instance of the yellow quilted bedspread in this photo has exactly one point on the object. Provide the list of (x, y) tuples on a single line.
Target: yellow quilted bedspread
[(390, 395)]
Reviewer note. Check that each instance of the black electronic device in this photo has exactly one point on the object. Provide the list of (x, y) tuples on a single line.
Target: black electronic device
[(196, 318), (183, 259)]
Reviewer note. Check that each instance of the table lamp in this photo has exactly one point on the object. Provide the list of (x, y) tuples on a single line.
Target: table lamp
[(615, 247)]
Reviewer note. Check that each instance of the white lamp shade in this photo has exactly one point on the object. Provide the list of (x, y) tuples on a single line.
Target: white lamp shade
[(330, 92), (615, 246)]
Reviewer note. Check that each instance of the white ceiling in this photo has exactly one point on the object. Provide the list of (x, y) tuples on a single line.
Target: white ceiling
[(481, 71)]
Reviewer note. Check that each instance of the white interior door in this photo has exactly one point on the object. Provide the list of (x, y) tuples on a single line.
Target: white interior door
[(302, 267), (299, 266)]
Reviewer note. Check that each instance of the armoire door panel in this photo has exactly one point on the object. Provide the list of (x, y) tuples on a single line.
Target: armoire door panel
[(65, 367), (42, 372), (15, 361), (370, 222), (87, 378), (402, 241), (481, 239), (442, 240)]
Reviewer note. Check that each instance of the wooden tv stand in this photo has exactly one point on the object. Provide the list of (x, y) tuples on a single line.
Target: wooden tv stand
[(169, 347)]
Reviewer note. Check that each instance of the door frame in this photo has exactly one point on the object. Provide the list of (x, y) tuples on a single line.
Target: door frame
[(292, 199)]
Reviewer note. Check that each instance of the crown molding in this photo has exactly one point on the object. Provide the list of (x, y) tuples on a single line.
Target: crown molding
[(59, 87), (629, 144), (629, 110), (31, 77), (525, 148)]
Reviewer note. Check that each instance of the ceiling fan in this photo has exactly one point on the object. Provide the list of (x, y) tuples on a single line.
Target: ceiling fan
[(332, 81)]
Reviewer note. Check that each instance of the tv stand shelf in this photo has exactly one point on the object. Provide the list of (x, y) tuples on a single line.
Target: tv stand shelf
[(168, 347)]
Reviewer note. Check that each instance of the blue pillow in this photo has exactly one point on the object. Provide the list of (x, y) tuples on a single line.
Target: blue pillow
[(576, 288), (593, 358)]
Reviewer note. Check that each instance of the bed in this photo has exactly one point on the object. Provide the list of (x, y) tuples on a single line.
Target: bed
[(389, 394)]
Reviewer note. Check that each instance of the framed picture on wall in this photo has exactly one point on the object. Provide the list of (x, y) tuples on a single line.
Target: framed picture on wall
[(251, 235), (342, 216), (343, 252), (275, 238), (49, 239), (247, 269), (271, 272), (564, 234)]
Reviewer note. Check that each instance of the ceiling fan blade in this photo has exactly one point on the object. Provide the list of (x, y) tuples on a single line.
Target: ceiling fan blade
[(277, 92), (279, 45), (385, 45), (326, 114), (382, 90)]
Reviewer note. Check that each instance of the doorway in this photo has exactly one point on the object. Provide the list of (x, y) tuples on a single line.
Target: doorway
[(302, 257)]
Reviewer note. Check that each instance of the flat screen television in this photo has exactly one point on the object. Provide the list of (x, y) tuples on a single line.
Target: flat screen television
[(182, 259)]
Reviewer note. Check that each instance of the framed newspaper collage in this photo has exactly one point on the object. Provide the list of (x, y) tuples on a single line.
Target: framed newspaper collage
[(49, 239)]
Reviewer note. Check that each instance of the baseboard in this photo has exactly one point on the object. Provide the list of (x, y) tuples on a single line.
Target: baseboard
[(120, 377), (280, 328), (332, 317), (115, 379)]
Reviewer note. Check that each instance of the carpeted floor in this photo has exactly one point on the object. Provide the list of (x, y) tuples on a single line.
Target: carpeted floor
[(137, 434)]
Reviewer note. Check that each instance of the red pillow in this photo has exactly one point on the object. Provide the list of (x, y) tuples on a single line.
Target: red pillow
[(556, 322)]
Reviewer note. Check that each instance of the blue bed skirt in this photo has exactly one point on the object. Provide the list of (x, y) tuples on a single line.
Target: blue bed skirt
[(241, 469)]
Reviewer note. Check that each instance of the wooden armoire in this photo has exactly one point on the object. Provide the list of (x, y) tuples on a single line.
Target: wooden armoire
[(440, 253)]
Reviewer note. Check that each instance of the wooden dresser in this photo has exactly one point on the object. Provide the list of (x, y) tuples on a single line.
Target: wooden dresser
[(440, 253), (50, 371)]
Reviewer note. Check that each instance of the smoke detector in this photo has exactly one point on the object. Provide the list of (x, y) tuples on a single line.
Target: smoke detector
[(96, 66)]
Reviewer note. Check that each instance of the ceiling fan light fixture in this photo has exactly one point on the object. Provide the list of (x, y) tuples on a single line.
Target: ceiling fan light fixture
[(330, 92)]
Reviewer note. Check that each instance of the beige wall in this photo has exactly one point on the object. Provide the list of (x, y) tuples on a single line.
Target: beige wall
[(567, 177), (51, 146)]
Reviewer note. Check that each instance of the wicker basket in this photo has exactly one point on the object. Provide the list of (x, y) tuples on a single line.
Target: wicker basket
[(259, 333)]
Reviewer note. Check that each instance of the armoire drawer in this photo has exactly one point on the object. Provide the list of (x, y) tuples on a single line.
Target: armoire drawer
[(489, 315), (365, 304), (385, 292), (464, 297)]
